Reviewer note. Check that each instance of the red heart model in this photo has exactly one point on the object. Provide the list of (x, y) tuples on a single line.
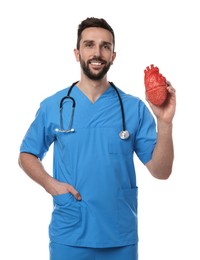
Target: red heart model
[(155, 85)]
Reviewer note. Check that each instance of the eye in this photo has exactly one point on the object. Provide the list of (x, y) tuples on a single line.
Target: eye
[(89, 44), (106, 46)]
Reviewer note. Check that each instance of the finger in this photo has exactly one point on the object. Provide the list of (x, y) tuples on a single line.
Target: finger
[(171, 89), (168, 83), (74, 192)]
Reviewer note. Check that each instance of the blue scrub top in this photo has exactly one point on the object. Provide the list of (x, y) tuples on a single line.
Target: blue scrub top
[(96, 162)]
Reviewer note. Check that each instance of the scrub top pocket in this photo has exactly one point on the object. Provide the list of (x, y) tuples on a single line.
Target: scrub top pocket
[(66, 214), (63, 199)]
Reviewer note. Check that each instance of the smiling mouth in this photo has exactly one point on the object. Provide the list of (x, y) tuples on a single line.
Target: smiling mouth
[(96, 64)]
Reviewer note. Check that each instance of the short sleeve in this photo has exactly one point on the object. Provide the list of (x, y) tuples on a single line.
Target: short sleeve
[(146, 135), (37, 139)]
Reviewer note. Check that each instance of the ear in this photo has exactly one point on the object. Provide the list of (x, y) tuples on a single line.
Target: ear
[(76, 53), (113, 57)]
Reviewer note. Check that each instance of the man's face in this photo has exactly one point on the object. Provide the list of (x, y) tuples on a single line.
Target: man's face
[(96, 52)]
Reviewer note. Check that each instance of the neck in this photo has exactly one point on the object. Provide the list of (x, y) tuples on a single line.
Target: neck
[(93, 89)]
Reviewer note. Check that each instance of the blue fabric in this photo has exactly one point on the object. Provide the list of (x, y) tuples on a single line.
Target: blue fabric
[(97, 163), (63, 252)]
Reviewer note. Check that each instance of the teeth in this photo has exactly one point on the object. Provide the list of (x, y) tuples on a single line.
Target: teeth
[(96, 63)]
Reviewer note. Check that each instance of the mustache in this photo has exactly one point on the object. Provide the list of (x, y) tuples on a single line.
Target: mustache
[(96, 59)]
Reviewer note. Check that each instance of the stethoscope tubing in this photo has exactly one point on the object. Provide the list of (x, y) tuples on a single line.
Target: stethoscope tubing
[(121, 105), (124, 134)]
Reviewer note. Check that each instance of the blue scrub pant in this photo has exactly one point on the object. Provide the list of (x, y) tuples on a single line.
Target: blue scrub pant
[(63, 252)]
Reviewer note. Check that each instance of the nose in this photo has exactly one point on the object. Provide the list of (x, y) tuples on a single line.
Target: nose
[(97, 51)]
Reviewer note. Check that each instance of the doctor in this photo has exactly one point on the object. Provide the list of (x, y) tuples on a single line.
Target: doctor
[(93, 184)]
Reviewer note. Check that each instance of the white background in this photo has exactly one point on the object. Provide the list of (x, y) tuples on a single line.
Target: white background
[(36, 60)]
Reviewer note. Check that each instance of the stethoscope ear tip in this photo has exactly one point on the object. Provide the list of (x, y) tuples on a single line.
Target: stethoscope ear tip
[(72, 130)]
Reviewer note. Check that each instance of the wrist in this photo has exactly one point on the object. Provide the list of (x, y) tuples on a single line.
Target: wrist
[(164, 126), (50, 185)]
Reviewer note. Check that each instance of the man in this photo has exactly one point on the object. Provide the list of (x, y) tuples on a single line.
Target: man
[(94, 183)]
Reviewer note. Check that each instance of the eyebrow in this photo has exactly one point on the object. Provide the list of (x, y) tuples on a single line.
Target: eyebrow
[(102, 43)]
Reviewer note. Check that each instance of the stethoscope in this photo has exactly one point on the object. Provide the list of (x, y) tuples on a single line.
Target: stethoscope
[(124, 134)]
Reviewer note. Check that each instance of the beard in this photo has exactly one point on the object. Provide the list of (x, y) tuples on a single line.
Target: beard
[(89, 73)]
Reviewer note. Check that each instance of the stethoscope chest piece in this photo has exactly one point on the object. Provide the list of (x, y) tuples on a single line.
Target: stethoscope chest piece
[(124, 134)]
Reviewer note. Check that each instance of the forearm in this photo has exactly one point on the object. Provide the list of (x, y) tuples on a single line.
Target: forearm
[(162, 159), (33, 167)]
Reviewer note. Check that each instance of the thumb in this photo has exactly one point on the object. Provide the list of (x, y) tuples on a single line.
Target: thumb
[(74, 192)]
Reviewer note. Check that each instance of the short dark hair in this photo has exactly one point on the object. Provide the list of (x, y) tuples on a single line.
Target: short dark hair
[(93, 22)]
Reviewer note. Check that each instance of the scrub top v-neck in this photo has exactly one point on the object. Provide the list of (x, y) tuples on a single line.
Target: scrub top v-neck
[(97, 163), (86, 108)]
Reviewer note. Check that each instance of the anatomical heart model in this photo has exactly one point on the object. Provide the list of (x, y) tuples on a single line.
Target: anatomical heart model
[(155, 85)]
